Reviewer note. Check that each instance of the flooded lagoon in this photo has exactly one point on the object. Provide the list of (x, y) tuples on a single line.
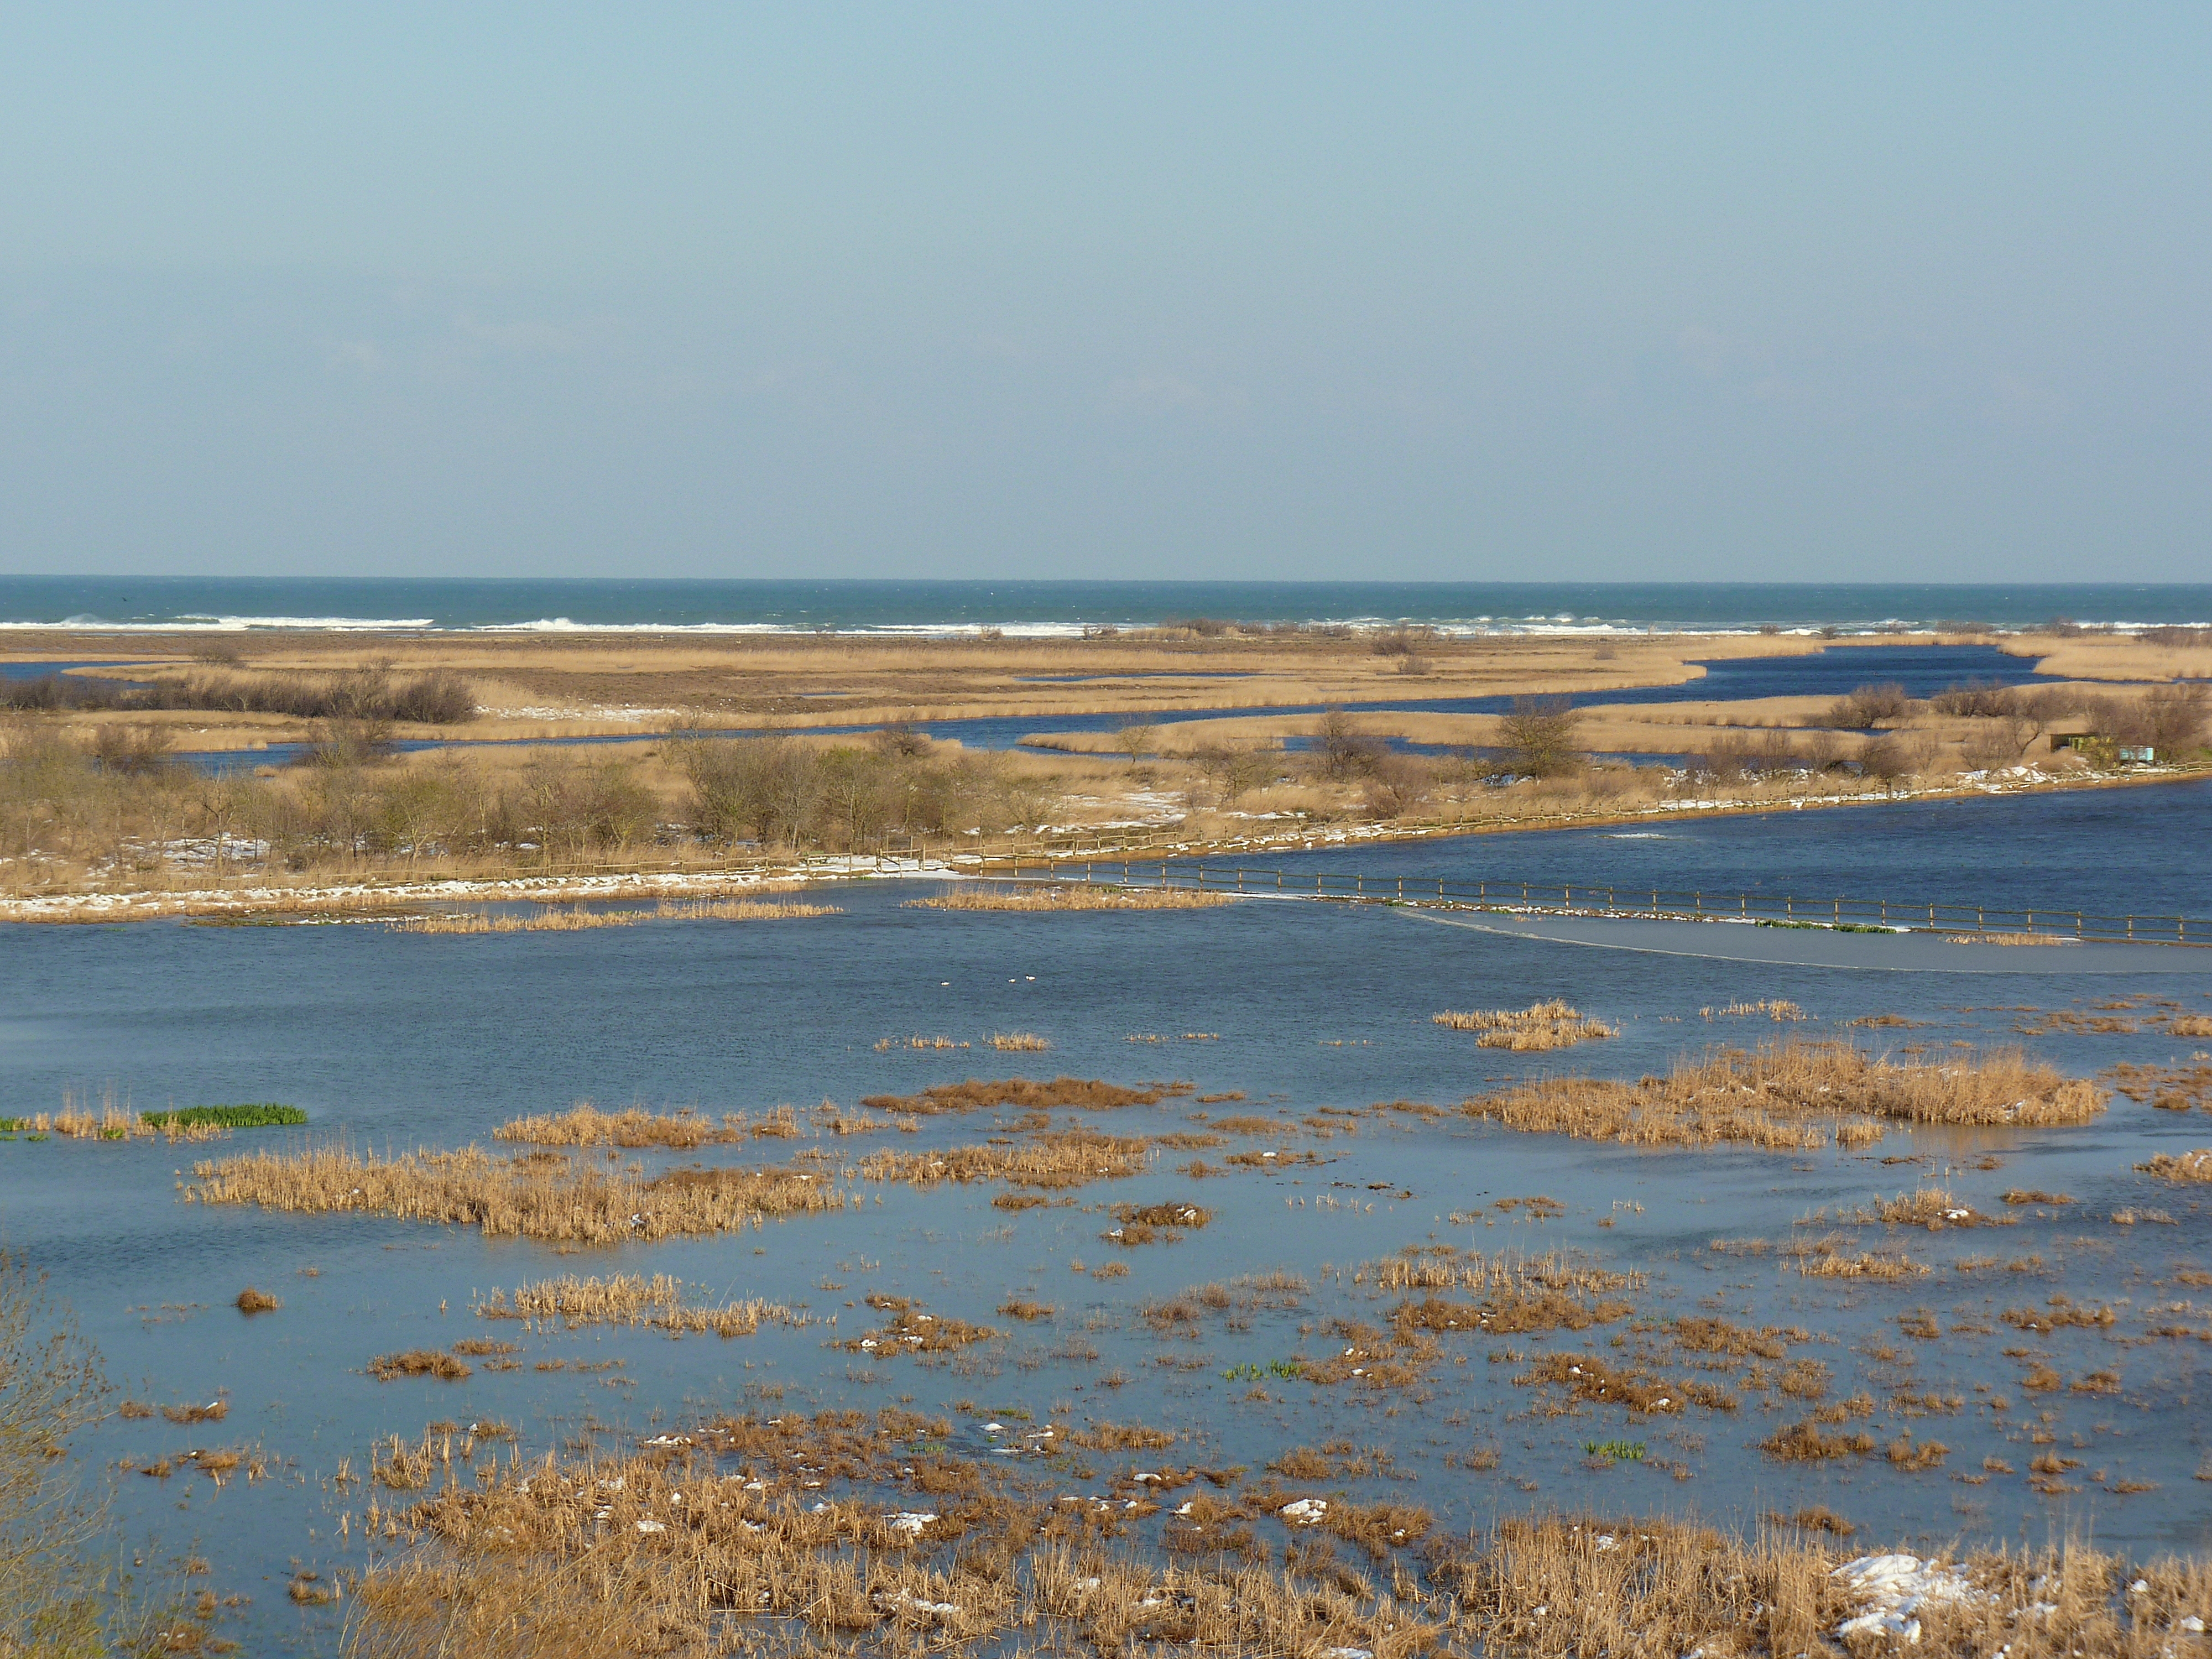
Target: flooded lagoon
[(1299, 1030)]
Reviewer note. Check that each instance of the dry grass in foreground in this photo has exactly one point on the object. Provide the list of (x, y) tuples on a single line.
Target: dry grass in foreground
[(1550, 1025), (706, 1543), (2188, 1166), (539, 1195), (631, 1299), (1774, 1095), (1074, 896)]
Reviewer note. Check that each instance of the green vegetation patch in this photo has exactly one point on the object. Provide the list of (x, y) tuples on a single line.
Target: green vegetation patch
[(225, 1117), (1615, 1451)]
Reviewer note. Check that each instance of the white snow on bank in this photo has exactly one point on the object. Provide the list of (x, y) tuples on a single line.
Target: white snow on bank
[(1892, 1591)]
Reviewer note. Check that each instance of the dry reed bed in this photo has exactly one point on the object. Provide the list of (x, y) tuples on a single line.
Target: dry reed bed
[(1766, 1096), (976, 1094), (1054, 1161), (584, 1125), (1546, 1026), (2187, 1166), (1075, 895), (578, 920), (540, 1195), (631, 1299), (671, 1552)]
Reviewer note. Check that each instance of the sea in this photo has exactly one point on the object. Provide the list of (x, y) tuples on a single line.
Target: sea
[(1053, 609)]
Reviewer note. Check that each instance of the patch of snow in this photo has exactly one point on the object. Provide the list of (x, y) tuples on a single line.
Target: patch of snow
[(1891, 1590)]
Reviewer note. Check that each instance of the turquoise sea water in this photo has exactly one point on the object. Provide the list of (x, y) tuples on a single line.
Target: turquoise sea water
[(1048, 608)]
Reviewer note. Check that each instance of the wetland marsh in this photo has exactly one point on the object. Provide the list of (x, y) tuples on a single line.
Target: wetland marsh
[(1259, 1310)]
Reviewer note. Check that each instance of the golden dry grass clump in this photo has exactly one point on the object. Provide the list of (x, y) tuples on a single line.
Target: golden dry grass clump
[(975, 1094), (1770, 1096), (2186, 1166), (575, 919), (251, 1301), (1546, 1026), (1782, 1013), (418, 1362), (1146, 1224), (1061, 1158), (704, 909), (539, 1195), (631, 1299), (913, 1331), (584, 1125), (1511, 1295), (1069, 896)]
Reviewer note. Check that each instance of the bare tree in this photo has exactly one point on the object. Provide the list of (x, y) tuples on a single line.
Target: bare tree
[(1346, 750), (1139, 740), (1540, 736)]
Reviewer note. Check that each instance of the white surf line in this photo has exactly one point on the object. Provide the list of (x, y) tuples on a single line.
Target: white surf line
[(2178, 966)]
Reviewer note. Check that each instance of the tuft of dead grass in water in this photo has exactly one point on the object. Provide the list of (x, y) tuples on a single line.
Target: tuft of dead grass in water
[(1072, 896), (1054, 1161), (1543, 1026), (584, 1125), (1932, 1208), (549, 919), (910, 1330), (1782, 1013), (2187, 1166), (251, 1301), (418, 1362), (977, 1094), (1837, 1257), (634, 1300), (1145, 1223), (576, 919), (1769, 1097), (539, 1195), (703, 909)]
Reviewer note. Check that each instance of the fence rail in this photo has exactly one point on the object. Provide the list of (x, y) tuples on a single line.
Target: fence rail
[(1612, 899)]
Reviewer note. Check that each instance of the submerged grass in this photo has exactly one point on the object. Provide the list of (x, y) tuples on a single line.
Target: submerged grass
[(539, 1195), (1776, 1097), (631, 1299), (976, 1094)]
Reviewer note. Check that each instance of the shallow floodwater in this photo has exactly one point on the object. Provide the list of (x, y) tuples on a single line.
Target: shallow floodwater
[(1313, 1012)]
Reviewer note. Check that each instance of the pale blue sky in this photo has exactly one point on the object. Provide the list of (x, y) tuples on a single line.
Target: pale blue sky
[(1634, 292)]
